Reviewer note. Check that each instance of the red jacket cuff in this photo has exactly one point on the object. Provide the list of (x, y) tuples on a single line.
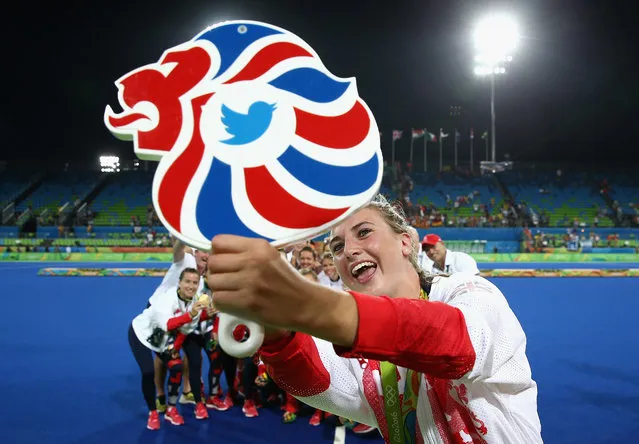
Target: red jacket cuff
[(295, 365), (179, 341), (281, 348)]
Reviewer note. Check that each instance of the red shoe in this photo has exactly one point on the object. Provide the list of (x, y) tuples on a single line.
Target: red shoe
[(153, 423), (360, 429), (249, 409), (173, 416), (229, 401), (217, 403), (291, 405), (316, 418), (200, 411)]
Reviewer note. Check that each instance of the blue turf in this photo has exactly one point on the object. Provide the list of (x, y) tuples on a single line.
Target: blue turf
[(582, 346), (69, 376)]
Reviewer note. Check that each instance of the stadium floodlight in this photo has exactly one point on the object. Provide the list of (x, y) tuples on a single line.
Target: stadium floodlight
[(496, 38), (109, 164)]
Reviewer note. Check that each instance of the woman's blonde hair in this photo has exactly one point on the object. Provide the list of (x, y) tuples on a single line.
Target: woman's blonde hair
[(328, 255)]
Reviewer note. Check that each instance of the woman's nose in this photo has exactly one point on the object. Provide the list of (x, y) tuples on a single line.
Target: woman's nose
[(352, 252)]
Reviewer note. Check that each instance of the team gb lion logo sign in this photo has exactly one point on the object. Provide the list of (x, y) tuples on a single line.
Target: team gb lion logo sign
[(254, 136)]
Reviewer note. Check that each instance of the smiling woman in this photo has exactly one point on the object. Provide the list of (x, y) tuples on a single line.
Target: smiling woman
[(366, 230), (422, 358)]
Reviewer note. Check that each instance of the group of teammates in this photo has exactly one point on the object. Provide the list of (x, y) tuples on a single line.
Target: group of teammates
[(180, 317)]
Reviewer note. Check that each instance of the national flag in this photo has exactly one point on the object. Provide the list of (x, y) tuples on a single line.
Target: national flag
[(472, 134), (397, 134), (442, 134), (485, 135), (430, 137), (417, 133)]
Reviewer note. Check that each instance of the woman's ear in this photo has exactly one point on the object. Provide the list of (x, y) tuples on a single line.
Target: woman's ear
[(407, 244)]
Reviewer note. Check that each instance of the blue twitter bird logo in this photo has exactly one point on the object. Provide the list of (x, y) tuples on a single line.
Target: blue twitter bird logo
[(246, 128)]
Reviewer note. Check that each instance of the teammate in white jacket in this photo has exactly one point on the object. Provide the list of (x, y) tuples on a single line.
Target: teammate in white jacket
[(181, 261), (156, 329), (425, 359)]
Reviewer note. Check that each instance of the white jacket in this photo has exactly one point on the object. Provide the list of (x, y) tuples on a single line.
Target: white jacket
[(476, 385)]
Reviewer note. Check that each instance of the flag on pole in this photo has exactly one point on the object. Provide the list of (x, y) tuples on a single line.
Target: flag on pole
[(457, 140), (442, 136), (415, 134), (428, 137), (485, 137), (472, 137), (397, 134)]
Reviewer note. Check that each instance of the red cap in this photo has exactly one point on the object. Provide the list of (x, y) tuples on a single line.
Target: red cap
[(431, 239)]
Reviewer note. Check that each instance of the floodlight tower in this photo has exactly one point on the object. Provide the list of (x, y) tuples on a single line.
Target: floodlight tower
[(496, 37)]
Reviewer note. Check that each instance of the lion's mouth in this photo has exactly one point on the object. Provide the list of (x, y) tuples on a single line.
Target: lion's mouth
[(125, 119)]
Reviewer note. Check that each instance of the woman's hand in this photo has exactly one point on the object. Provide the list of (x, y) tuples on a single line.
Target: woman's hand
[(211, 311), (196, 308), (250, 279)]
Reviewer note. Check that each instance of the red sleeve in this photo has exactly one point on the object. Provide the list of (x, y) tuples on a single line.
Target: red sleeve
[(293, 362), (178, 321), (429, 337), (179, 340)]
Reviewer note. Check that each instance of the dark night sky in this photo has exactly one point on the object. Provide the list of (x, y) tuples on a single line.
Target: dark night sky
[(570, 94)]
